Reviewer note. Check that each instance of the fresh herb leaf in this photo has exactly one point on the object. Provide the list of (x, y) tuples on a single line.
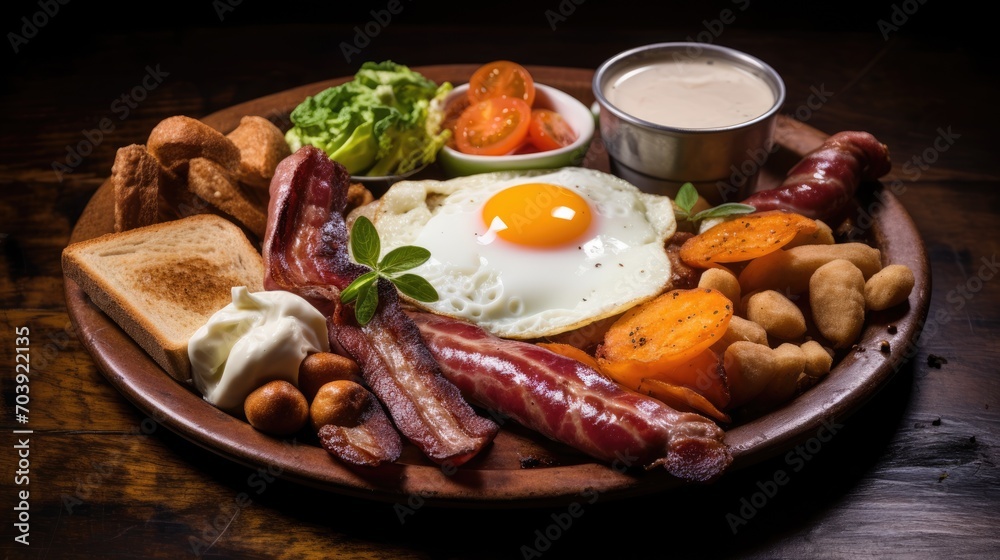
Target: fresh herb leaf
[(415, 287), (723, 210), (363, 291), (350, 293), (364, 308), (686, 198), (403, 258), (365, 244)]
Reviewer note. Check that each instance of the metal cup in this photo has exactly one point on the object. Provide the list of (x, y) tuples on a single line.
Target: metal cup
[(723, 163)]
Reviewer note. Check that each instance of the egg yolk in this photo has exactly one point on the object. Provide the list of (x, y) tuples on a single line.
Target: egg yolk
[(536, 215)]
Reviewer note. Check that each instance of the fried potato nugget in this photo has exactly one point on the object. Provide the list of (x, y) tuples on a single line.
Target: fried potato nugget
[(889, 287), (777, 314), (740, 329), (822, 235), (819, 360), (722, 280), (762, 375), (837, 299), (789, 270)]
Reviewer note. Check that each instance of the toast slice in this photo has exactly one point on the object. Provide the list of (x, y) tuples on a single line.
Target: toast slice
[(162, 282)]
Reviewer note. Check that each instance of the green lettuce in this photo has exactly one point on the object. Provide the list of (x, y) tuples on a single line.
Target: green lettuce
[(386, 121)]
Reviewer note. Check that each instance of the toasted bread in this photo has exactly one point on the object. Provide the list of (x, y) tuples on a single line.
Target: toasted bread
[(215, 185), (162, 282), (135, 177), (176, 140), (178, 200), (262, 146)]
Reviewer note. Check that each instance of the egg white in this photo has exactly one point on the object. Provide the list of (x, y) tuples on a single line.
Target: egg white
[(524, 292)]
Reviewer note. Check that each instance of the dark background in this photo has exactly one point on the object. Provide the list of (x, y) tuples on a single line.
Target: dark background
[(93, 52)]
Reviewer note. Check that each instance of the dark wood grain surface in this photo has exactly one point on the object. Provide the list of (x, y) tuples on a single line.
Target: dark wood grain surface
[(913, 474)]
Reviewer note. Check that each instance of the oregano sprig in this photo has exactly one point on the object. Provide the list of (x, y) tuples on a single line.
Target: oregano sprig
[(366, 247), (687, 197)]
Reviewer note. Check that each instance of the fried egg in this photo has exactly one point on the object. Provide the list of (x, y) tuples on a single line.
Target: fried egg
[(532, 254)]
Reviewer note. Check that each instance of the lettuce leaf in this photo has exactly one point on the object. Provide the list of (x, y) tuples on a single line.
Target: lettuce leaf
[(386, 121)]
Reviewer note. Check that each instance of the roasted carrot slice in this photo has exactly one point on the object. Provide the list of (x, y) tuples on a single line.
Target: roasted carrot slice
[(681, 398), (744, 238), (701, 374), (664, 333), (571, 351)]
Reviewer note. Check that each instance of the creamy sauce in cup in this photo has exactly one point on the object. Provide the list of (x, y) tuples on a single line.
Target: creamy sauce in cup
[(690, 93)]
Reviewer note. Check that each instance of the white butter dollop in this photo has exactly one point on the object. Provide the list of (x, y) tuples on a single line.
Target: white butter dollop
[(259, 337)]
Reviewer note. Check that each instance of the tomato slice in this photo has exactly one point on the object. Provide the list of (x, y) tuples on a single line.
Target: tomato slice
[(492, 127), (549, 130), (526, 148), (451, 113), (502, 78)]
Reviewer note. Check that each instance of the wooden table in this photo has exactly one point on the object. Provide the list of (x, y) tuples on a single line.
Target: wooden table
[(912, 474)]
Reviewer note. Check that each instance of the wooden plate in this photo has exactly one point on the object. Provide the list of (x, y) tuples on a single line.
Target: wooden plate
[(521, 468)]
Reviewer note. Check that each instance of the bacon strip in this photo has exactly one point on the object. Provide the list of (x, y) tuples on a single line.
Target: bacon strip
[(306, 251), (825, 180), (570, 402), (370, 443)]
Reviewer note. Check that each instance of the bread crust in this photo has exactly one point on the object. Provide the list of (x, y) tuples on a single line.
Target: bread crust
[(262, 146), (135, 177), (213, 184), (178, 139)]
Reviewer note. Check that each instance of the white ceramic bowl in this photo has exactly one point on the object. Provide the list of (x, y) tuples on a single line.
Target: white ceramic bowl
[(577, 115)]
